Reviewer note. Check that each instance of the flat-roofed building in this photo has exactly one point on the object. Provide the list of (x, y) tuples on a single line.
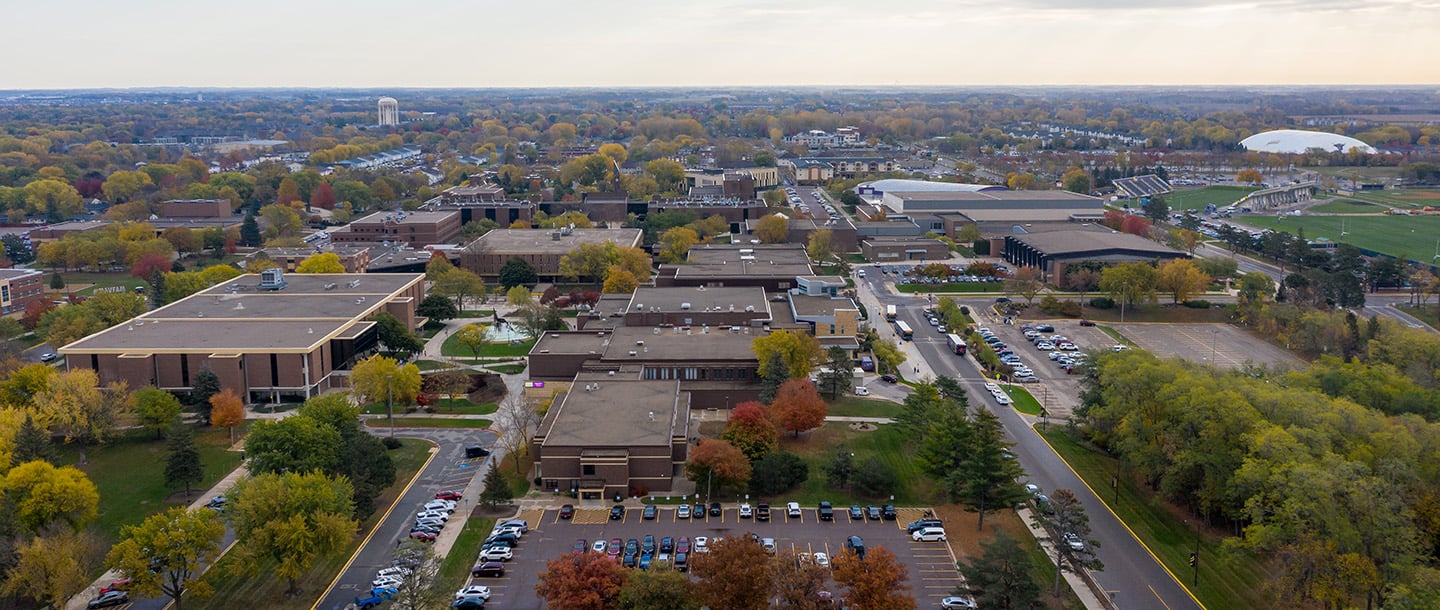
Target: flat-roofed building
[(698, 306), (355, 258), (20, 287), (542, 248), (843, 237), (608, 437), (414, 228), (197, 208), (61, 229), (893, 249), (773, 267), (1054, 251), (265, 339), (998, 205)]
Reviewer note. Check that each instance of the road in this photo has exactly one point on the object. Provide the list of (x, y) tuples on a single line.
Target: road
[(1133, 577), (449, 470)]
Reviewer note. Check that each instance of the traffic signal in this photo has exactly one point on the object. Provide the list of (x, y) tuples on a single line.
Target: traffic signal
[(1194, 559)]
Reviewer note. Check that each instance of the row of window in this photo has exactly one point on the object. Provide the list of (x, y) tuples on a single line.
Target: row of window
[(691, 373)]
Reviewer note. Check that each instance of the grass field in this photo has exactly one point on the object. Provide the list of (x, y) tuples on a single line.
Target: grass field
[(234, 589), (1346, 206), (1022, 401), (428, 422), (458, 406), (1228, 578), (855, 406), (129, 473), (507, 369), (1197, 199), (455, 570), (1411, 236), (454, 349), (1402, 198), (890, 444)]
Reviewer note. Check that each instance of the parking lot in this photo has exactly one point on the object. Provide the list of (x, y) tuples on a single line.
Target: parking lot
[(931, 564), (1231, 346)]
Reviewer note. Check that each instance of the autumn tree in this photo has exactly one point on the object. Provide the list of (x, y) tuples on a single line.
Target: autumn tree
[(227, 410), (619, 280), (458, 284), (797, 350), (657, 589), (1076, 180), (182, 459), (799, 581), (180, 542), (820, 247), (1129, 283), (518, 296), (324, 262), (288, 521), (836, 380), (878, 581), (751, 431), (43, 496), (735, 574), (798, 407), (1000, 576), (52, 569), (157, 409), (1249, 175), (380, 378), (772, 229), (584, 581), (594, 260), (717, 461), (79, 409), (473, 337), (1026, 283), (675, 244), (1181, 279), (322, 196), (149, 264)]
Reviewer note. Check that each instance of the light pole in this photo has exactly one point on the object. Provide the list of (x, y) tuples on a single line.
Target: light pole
[(1195, 557), (1214, 336)]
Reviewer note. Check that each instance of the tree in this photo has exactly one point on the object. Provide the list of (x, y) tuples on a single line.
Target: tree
[(437, 308), (180, 542), (750, 431), (293, 444), (1067, 516), (887, 354), (249, 231), (1255, 286), (836, 380), (772, 376), (324, 262), (422, 589), (205, 384), (878, 581), (772, 229), (227, 410), (1129, 283), (458, 284), (1249, 175), (595, 260), (717, 461), (280, 221), (798, 407), (379, 378), (82, 412), (619, 280), (797, 350), (123, 185), (157, 409), (873, 478), (1181, 278), (56, 282), (518, 272), (799, 581), (32, 443), (1156, 209), (657, 589), (182, 459), (734, 575), (1076, 180), (675, 244), (473, 337), (820, 247), (323, 197), (584, 581), (288, 521), (1026, 283), (52, 569), (497, 489), (394, 336), (518, 420), (776, 472), (1000, 576), (986, 479), (40, 496), (148, 265)]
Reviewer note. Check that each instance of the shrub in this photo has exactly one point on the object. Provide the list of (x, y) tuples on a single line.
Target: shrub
[(1102, 303), (391, 442), (1197, 304)]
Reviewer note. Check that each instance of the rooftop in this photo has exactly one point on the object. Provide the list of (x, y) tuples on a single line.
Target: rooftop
[(531, 241), (992, 195), (238, 316), (1060, 243), (405, 218), (807, 307), (678, 343), (779, 260), (619, 413), (678, 298), (10, 274)]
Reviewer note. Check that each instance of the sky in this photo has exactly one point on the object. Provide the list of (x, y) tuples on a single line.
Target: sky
[(59, 44)]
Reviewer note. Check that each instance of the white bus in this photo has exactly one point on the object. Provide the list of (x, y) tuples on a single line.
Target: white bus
[(890, 313), (956, 344), (904, 330)]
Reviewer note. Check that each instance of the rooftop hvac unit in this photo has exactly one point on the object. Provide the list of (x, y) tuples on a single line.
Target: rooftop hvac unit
[(632, 352), (685, 306), (272, 279)]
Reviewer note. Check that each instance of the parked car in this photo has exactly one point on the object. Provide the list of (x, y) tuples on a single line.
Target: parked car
[(1074, 542), (917, 525), (682, 561), (762, 512), (855, 545), (888, 512), (683, 512), (929, 534), (567, 511), (598, 546), (963, 603), (469, 603), (613, 550), (872, 512), (580, 547), (648, 546), (857, 513), (746, 512), (698, 511), (792, 509), (479, 591), (667, 545), (702, 544), (888, 378), (617, 512), (1087, 323), (715, 509), (109, 598), (826, 512), (423, 536), (448, 494), (768, 544), (489, 568), (822, 560), (119, 585)]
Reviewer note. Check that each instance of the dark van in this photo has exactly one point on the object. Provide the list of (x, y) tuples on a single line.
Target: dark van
[(476, 451)]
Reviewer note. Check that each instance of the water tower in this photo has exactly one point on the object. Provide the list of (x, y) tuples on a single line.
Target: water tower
[(389, 112)]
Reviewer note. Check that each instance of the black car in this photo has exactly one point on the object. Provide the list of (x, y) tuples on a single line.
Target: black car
[(650, 513), (470, 603), (826, 512), (888, 512), (1045, 328), (489, 568), (617, 513), (476, 451), (857, 513), (630, 560), (762, 512), (714, 509), (915, 526), (649, 545), (888, 378), (667, 545), (698, 511), (872, 512)]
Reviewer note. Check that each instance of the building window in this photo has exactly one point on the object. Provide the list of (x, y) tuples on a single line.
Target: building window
[(588, 470)]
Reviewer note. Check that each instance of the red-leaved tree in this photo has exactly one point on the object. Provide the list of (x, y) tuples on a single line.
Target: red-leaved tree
[(323, 196), (1136, 224), (798, 407), (149, 264), (584, 581), (718, 462), (750, 431)]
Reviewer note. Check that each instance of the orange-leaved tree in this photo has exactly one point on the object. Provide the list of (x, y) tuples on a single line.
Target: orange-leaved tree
[(798, 407), (587, 581)]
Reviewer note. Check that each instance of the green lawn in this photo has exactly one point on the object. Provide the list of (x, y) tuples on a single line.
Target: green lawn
[(1115, 334), (1411, 236), (428, 422), (1228, 579), (240, 590), (956, 287), (458, 406), (1197, 199), (892, 445), (455, 569), (431, 365), (130, 475), (453, 348), (519, 483), (477, 313), (507, 369), (857, 406), (1346, 206), (99, 280), (1022, 401), (1430, 314), (1402, 198)]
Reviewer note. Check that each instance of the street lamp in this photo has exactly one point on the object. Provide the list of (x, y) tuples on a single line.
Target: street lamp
[(1195, 557)]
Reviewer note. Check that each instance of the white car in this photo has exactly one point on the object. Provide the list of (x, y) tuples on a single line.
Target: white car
[(1119, 348), (508, 530), (479, 591), (822, 560), (599, 546), (1001, 398), (393, 571), (768, 544), (746, 512), (792, 509), (389, 582), (444, 505), (433, 514), (1074, 542), (861, 390), (928, 534), (497, 553), (992, 387), (951, 603), (702, 544)]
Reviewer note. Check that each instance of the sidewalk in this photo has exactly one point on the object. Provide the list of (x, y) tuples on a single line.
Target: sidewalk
[(1079, 583)]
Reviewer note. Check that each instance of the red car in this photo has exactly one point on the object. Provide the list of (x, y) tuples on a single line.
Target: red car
[(423, 536), (614, 549), (119, 585), (580, 547), (567, 511), (489, 568), (449, 494)]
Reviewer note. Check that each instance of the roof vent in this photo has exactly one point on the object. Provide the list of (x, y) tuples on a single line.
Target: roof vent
[(685, 306), (239, 305), (652, 416), (309, 331), (640, 342), (610, 373), (632, 352)]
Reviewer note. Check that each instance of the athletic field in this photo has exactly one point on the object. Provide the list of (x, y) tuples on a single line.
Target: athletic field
[(1413, 237), (1197, 199), (1402, 198)]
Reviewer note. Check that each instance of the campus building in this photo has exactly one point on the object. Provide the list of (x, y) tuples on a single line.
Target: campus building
[(1052, 252), (267, 337), (542, 248), (19, 287), (413, 228), (773, 267)]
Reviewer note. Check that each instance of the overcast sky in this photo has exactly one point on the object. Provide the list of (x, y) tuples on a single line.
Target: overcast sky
[(506, 43)]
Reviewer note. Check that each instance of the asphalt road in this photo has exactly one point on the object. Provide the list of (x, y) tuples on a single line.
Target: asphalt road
[(1133, 577), (449, 470)]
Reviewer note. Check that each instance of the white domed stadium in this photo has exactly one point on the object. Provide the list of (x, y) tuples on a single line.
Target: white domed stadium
[(1297, 141)]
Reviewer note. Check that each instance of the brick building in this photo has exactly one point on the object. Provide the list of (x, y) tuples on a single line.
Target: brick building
[(542, 248), (18, 287), (414, 228)]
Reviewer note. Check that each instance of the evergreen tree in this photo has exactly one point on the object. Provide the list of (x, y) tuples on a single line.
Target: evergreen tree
[(837, 380), (157, 289), (497, 489), (250, 231), (1000, 578), (57, 282), (182, 465), (176, 266), (32, 443), (772, 377), (205, 385)]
